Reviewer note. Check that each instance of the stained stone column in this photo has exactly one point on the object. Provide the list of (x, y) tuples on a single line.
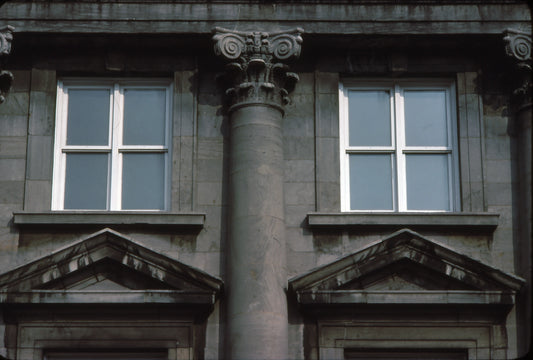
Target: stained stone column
[(257, 323), (518, 47), (6, 78)]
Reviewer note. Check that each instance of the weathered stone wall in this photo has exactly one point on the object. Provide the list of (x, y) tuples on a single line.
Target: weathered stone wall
[(311, 159)]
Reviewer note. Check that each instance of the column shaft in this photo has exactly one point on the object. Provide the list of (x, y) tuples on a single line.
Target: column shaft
[(256, 266)]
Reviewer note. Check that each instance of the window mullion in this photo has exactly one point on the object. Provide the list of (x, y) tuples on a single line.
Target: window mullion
[(400, 145), (116, 156)]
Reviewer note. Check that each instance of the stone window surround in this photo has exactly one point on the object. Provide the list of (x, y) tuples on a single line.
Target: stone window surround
[(38, 181), (115, 148), (398, 147), (470, 142)]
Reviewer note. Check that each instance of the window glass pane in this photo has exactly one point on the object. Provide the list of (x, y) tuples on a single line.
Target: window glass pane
[(144, 117), (369, 118), (371, 182), (425, 118), (143, 181), (427, 182), (86, 181), (88, 117)]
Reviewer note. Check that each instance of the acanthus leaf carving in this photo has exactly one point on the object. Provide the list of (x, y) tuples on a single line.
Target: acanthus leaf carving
[(6, 77), (518, 47), (256, 70)]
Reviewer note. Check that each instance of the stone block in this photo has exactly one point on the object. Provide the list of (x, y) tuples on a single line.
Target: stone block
[(209, 170), (477, 196), (13, 125), (473, 111), (21, 81), (17, 103), (210, 193), (306, 85), (299, 193), (40, 155), (12, 169), (475, 159), (210, 120), (496, 126), (297, 241), (498, 194), (497, 148), (12, 147), (42, 113), (299, 262), (328, 196), (11, 192), (43, 80), (295, 215), (498, 171), (211, 148), (328, 82), (299, 170), (298, 147), (506, 215), (299, 117), (328, 164), (38, 195), (327, 117)]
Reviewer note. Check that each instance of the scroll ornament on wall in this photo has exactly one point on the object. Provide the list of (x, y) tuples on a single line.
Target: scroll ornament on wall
[(518, 47), (6, 78)]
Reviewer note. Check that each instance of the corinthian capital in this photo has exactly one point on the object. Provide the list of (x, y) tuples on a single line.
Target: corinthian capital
[(6, 78), (518, 47), (6, 36), (257, 68)]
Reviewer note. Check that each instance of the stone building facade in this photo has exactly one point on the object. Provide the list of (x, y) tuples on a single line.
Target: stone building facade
[(265, 179)]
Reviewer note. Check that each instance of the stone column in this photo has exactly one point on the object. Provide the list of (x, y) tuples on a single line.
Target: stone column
[(257, 323), (6, 78), (518, 47)]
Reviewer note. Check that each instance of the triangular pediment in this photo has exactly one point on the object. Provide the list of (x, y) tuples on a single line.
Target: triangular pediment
[(108, 262), (404, 262)]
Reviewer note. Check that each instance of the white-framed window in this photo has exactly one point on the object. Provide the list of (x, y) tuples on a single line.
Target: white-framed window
[(112, 144), (398, 145)]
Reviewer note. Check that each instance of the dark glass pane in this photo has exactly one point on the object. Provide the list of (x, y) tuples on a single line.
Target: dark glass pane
[(88, 117), (370, 118), (425, 118), (427, 182), (86, 181), (143, 181), (371, 182), (144, 117)]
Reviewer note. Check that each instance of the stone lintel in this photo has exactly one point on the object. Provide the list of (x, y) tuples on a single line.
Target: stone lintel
[(107, 218), (257, 73), (473, 221), (108, 297), (396, 297)]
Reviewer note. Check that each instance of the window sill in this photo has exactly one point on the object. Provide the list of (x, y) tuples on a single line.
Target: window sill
[(465, 221), (105, 218)]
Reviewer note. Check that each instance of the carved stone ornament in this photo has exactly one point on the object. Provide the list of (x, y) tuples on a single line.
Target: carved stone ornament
[(6, 78), (518, 47), (256, 69)]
